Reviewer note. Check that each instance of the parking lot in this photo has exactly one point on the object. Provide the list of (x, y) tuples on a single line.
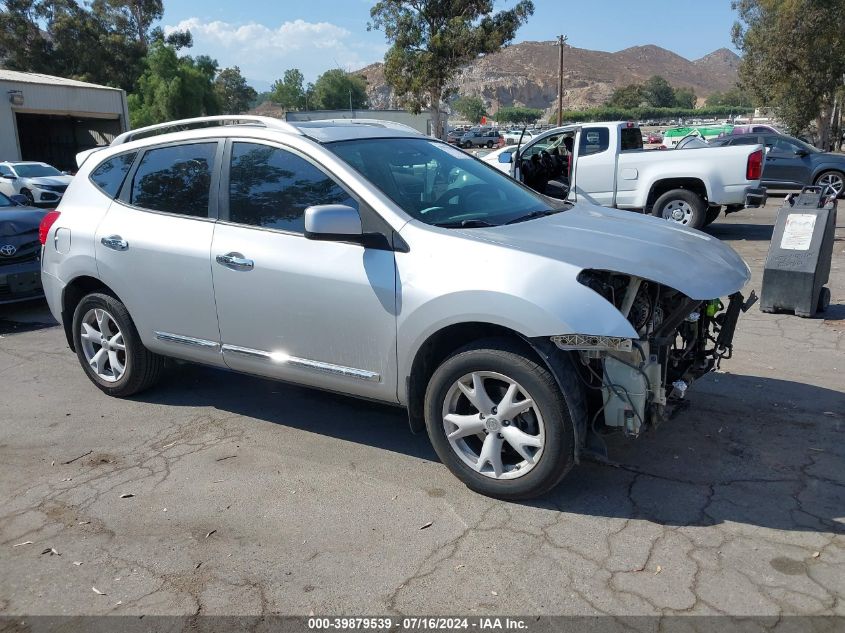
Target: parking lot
[(218, 493)]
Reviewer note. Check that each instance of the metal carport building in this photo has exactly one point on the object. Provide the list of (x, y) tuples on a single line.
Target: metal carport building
[(51, 119)]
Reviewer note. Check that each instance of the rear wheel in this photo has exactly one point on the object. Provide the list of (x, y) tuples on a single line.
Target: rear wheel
[(682, 207), (109, 348), (489, 144), (499, 422), (832, 181)]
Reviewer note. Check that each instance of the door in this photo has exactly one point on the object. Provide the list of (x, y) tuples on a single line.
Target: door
[(546, 162), (153, 247), (318, 313), (786, 162), (596, 167)]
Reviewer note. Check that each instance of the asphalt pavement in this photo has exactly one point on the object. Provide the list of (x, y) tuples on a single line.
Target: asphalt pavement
[(217, 493)]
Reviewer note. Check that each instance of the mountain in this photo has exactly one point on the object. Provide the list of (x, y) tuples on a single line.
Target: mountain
[(525, 74)]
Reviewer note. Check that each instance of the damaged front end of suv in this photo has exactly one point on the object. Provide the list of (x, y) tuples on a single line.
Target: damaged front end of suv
[(636, 383)]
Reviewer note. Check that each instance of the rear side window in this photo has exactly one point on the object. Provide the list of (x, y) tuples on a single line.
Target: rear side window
[(175, 179), (594, 140), (746, 140), (271, 188), (632, 138), (109, 175)]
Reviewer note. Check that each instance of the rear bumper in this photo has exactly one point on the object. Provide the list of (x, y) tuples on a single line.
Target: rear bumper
[(20, 282), (755, 197)]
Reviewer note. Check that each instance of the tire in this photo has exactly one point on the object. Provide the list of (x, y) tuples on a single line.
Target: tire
[(26, 193), (682, 207), (824, 299), (712, 215), (546, 425), (489, 144), (97, 314), (833, 179)]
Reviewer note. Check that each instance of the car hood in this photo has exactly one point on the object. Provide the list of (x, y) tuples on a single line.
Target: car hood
[(588, 236), (50, 180), (17, 220)]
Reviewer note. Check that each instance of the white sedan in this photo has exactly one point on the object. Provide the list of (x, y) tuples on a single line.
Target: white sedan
[(41, 184), (512, 137)]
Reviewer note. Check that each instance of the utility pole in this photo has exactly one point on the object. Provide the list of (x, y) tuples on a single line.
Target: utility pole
[(561, 39)]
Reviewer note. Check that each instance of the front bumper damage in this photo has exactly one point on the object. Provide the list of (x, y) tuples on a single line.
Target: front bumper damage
[(635, 384)]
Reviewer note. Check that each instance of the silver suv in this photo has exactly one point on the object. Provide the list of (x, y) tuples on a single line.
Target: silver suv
[(363, 258)]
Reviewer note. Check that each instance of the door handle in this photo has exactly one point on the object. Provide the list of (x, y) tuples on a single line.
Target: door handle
[(115, 242), (235, 261)]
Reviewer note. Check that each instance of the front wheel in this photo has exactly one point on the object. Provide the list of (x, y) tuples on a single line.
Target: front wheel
[(499, 422), (683, 207), (109, 348), (832, 181)]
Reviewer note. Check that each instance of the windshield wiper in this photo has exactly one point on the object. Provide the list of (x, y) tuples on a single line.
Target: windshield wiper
[(533, 215), (464, 224)]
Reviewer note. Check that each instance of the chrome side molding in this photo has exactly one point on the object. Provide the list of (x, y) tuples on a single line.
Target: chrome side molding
[(185, 340), (304, 363)]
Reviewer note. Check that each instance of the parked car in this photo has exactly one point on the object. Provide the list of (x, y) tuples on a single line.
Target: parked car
[(363, 258), (480, 138), (755, 128), (20, 269), (454, 137), (40, 183), (513, 137), (654, 138), (604, 163), (792, 164)]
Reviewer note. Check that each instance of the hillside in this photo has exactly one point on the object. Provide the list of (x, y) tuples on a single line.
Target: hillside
[(525, 74)]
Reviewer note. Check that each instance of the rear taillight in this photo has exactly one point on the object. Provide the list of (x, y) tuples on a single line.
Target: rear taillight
[(754, 169), (46, 224)]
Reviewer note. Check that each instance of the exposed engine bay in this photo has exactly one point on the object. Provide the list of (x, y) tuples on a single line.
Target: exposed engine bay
[(636, 384)]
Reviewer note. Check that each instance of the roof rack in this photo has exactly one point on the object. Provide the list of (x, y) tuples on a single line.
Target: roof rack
[(202, 122)]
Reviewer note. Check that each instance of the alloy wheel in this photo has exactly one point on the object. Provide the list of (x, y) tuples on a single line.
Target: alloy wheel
[(103, 345), (831, 182), (493, 425)]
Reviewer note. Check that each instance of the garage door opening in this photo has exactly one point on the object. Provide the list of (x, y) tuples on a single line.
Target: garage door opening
[(58, 139)]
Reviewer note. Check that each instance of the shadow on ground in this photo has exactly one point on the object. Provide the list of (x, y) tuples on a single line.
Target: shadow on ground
[(750, 450)]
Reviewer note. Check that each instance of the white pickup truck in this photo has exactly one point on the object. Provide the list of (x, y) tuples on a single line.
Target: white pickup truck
[(605, 163)]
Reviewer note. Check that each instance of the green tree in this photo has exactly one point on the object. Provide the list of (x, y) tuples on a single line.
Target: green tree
[(471, 108), (338, 90), (518, 114), (288, 92), (630, 96), (173, 87), (735, 96), (793, 58), (233, 93), (684, 98), (431, 39), (658, 92), (104, 41)]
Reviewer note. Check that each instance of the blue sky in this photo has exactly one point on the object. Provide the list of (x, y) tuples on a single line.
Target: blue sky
[(265, 37)]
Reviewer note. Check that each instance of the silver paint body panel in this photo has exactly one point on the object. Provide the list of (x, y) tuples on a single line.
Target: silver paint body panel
[(351, 319)]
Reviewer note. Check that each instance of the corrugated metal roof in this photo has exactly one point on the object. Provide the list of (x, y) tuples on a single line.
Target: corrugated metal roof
[(49, 80)]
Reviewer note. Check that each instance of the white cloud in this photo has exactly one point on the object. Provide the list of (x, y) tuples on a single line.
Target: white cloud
[(264, 53)]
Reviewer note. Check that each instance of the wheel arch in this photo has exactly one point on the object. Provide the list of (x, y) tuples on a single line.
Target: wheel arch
[(664, 185), (445, 341), (73, 293)]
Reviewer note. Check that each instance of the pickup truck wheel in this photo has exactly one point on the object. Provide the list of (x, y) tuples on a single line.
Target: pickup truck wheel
[(681, 206), (109, 348), (833, 181), (499, 422)]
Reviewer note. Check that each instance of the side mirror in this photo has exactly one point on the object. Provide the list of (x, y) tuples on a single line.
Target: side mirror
[(20, 200), (8, 177), (506, 158), (333, 223)]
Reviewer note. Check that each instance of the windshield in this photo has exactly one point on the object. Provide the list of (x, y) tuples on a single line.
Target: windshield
[(441, 185), (34, 170), (6, 202)]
